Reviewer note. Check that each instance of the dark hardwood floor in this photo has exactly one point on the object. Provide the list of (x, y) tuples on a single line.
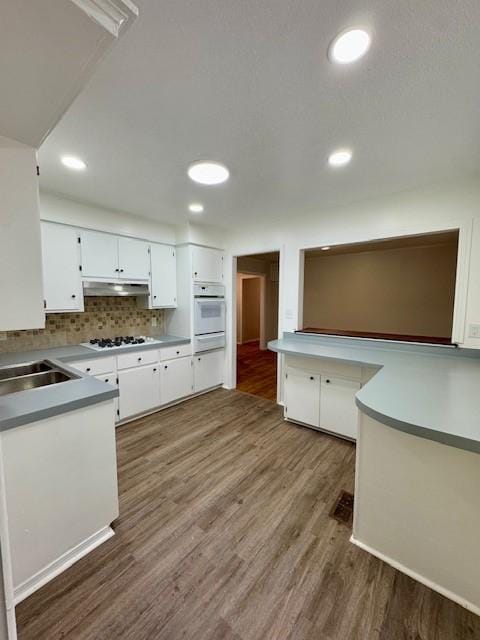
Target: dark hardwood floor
[(225, 534), (257, 371)]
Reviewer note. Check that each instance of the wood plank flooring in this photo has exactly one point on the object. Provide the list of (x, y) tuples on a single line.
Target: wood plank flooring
[(257, 371), (224, 534)]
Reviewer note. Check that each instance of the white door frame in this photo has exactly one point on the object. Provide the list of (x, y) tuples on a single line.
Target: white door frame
[(232, 344)]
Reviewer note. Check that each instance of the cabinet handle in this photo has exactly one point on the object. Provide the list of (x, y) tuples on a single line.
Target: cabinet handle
[(312, 378), (154, 297), (106, 379), (155, 369), (121, 270), (165, 367), (87, 369), (117, 270), (327, 381), (139, 359), (73, 295), (177, 352), (196, 273), (199, 359)]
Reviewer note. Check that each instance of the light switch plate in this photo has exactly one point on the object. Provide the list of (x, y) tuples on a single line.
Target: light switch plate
[(474, 330)]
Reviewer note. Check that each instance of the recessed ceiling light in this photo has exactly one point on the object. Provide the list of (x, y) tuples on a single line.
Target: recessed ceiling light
[(340, 158), (208, 172), (195, 207), (349, 46), (73, 163), (325, 248)]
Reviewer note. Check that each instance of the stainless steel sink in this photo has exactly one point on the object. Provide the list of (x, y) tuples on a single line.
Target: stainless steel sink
[(31, 375), (24, 369)]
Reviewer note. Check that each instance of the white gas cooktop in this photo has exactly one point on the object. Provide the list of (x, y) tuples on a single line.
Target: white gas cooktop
[(119, 342)]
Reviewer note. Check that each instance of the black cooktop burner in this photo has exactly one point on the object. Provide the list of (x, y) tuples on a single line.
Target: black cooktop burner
[(118, 341)]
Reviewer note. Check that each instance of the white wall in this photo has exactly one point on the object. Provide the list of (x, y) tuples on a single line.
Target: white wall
[(21, 286), (57, 208), (421, 211)]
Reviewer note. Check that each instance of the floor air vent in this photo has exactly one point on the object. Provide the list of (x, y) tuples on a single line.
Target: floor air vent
[(342, 510)]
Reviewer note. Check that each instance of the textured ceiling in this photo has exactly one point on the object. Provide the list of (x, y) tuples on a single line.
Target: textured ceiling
[(249, 83)]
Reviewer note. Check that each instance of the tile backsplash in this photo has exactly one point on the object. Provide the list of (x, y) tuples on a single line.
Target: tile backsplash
[(103, 317)]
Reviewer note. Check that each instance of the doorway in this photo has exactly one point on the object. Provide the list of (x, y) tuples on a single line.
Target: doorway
[(257, 323)]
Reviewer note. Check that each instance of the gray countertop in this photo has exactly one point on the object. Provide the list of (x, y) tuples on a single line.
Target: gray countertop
[(77, 352), (427, 391), (29, 406)]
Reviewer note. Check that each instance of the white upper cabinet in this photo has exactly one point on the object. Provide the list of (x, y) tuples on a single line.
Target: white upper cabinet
[(133, 263), (207, 264), (111, 257), (62, 284), (164, 276), (99, 255)]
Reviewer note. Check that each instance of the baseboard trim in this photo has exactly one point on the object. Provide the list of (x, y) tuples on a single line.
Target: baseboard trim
[(174, 403), (65, 561), (418, 577)]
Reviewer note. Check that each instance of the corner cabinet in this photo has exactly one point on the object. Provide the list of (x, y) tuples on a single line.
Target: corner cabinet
[(62, 282), (207, 264), (163, 267)]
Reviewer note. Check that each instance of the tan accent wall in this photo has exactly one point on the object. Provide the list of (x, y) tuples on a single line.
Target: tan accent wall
[(250, 309), (103, 317), (402, 291)]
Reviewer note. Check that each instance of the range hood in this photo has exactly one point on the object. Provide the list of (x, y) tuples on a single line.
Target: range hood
[(91, 288)]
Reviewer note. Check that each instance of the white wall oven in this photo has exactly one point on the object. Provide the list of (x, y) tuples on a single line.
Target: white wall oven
[(209, 316)]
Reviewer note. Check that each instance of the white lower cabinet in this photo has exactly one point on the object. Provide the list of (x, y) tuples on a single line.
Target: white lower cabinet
[(111, 378), (321, 401), (139, 390), (338, 411), (302, 396), (176, 379), (208, 370)]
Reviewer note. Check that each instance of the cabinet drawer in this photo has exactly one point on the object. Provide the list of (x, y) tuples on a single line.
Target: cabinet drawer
[(137, 358), (95, 366), (109, 378), (180, 351)]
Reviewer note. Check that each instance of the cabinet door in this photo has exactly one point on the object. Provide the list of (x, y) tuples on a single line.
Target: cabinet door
[(338, 411), (208, 370), (164, 275), (99, 255), (139, 390), (176, 379), (302, 396), (133, 259), (62, 283), (111, 378), (207, 264)]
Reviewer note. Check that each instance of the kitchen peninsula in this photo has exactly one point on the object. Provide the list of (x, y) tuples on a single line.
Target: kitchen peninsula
[(418, 442)]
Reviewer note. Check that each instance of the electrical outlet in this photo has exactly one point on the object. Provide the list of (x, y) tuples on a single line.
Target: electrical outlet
[(154, 322), (474, 330)]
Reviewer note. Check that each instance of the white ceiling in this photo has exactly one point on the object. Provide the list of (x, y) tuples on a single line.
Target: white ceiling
[(248, 83)]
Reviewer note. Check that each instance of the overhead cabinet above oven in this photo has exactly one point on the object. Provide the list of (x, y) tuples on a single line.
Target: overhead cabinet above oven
[(107, 256)]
